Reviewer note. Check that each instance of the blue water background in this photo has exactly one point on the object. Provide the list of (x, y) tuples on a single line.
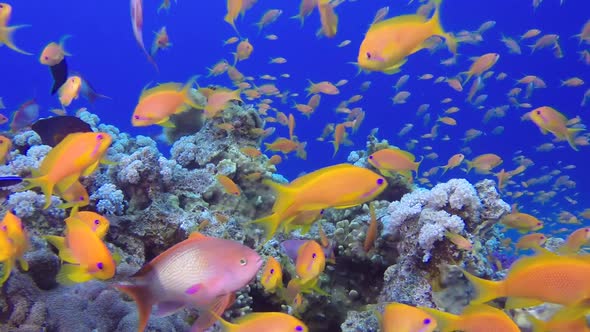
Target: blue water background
[(106, 54)]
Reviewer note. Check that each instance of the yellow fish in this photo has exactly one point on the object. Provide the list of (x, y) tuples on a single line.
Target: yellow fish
[(478, 317), (388, 43), (76, 155), (14, 242), (272, 276), (550, 120), (339, 186)]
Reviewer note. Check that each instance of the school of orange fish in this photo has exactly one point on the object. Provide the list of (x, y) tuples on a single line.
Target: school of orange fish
[(193, 273)]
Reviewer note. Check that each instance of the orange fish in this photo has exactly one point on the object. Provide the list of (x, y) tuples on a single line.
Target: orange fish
[(78, 154), (156, 105), (390, 160), (70, 90), (74, 195), (264, 322), (398, 317), (305, 9), (229, 185), (576, 240), (550, 120), (328, 18), (269, 17), (339, 186), (243, 51), (5, 146), (218, 100), (531, 280), (475, 317), (484, 163), (480, 65), (453, 162), (371, 230), (458, 240), (6, 31), (311, 261), (161, 42), (531, 241), (14, 242), (324, 87), (208, 271), (86, 256), (272, 276), (54, 53), (96, 222), (388, 44), (523, 222), (566, 319)]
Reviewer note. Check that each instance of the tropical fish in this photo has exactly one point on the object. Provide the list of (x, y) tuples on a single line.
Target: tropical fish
[(398, 317), (5, 146), (54, 129), (264, 322), (7, 181), (328, 19), (272, 276), (208, 271), (310, 262), (317, 191), (453, 162), (575, 241), (6, 31), (156, 105), (460, 241), (371, 230), (161, 42), (243, 51), (26, 114), (550, 120), (531, 280), (475, 317), (70, 90), (85, 255), (53, 55), (218, 100), (480, 65), (137, 24), (484, 163), (387, 44), (394, 160), (229, 185), (267, 18), (14, 242), (76, 155), (75, 195), (521, 221), (531, 241)]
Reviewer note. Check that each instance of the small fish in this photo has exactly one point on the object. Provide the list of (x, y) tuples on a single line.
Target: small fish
[(475, 317), (161, 42), (460, 241), (371, 230), (137, 24), (7, 181), (272, 276), (229, 185), (398, 317), (5, 146), (14, 242), (575, 241), (531, 241), (70, 90), (550, 120), (310, 262), (54, 56), (394, 160), (264, 322), (26, 114)]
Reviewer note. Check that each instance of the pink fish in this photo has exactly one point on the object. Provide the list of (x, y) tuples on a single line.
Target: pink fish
[(137, 23), (201, 272)]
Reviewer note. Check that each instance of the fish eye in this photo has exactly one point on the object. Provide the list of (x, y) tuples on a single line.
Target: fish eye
[(272, 271), (100, 136), (136, 117), (370, 157), (539, 224), (1, 141), (243, 261), (100, 265), (314, 255), (298, 328), (538, 112), (587, 230), (4, 228), (426, 321), (46, 57), (380, 181), (96, 221), (322, 211), (368, 55), (236, 193)]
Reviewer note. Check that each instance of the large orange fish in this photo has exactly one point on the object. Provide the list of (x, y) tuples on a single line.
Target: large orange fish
[(388, 43), (477, 317), (86, 257), (156, 105), (206, 272), (550, 120), (339, 186), (76, 155), (264, 322), (398, 317), (531, 280), (14, 242)]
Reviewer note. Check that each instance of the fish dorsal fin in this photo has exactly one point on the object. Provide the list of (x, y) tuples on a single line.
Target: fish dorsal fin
[(166, 87), (407, 154), (478, 309), (305, 178), (197, 236), (399, 20)]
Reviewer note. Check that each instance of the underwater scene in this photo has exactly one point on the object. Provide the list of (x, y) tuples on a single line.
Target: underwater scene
[(294, 166)]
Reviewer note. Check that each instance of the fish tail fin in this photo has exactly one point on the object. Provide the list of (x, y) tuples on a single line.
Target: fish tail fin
[(186, 91), (450, 40), (571, 135), (336, 148), (143, 299), (445, 320), (6, 37), (62, 43), (418, 163), (24, 265), (445, 169), (487, 290), (45, 185), (270, 223), (469, 166)]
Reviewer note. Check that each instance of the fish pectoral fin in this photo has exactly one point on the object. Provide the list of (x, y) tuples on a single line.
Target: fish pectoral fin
[(70, 274), (208, 317), (59, 243), (167, 308), (24, 265), (6, 269), (90, 169), (166, 123), (520, 302)]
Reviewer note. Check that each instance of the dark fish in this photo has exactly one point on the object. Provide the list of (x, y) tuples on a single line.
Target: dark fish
[(53, 130), (59, 73), (7, 181)]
